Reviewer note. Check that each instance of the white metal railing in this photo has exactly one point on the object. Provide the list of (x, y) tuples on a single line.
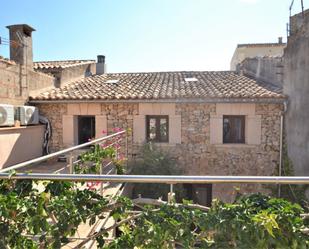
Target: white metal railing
[(65, 151), (167, 179)]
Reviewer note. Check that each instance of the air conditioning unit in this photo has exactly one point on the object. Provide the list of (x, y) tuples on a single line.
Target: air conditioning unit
[(6, 115), (27, 115)]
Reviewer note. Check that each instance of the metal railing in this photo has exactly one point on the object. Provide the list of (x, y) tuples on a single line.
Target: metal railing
[(166, 179), (62, 152), (35, 163)]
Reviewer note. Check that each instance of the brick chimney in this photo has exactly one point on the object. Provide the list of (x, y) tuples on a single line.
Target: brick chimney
[(101, 67), (21, 44)]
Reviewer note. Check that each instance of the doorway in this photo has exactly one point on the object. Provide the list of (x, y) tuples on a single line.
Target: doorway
[(86, 128)]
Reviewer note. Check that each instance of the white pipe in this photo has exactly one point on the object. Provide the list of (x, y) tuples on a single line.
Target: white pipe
[(281, 143)]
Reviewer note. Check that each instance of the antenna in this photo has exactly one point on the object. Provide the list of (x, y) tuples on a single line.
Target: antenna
[(20, 38), (290, 8)]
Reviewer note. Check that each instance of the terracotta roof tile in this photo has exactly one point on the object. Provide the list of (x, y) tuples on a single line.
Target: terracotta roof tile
[(60, 64), (162, 85), (252, 45)]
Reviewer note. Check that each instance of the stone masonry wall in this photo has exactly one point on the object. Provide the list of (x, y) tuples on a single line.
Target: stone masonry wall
[(54, 114), (16, 82), (196, 155)]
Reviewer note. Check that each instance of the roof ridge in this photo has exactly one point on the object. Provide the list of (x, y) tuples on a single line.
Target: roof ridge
[(65, 60)]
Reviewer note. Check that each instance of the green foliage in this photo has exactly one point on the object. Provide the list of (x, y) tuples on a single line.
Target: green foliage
[(119, 165), (91, 161), (154, 161), (252, 222), (294, 193), (52, 210)]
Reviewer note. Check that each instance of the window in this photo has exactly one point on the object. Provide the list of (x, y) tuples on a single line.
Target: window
[(111, 81), (234, 129), (86, 128), (157, 128), (191, 79)]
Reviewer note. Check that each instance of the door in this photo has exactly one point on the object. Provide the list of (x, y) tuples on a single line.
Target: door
[(86, 128)]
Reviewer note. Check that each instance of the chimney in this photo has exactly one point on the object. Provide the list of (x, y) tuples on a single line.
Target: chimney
[(21, 44), (280, 40), (101, 67)]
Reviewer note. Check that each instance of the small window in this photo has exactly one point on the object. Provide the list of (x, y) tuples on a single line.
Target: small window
[(234, 129), (191, 79), (157, 128), (111, 81), (86, 128)]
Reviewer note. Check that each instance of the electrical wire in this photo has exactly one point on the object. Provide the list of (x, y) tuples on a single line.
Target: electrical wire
[(6, 41)]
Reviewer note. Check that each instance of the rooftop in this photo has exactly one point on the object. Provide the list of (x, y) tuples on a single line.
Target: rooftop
[(60, 64), (254, 45), (162, 85)]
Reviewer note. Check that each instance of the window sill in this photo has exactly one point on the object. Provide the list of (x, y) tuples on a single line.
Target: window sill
[(235, 145)]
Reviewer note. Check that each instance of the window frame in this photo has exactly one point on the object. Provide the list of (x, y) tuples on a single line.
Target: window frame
[(158, 134), (233, 139)]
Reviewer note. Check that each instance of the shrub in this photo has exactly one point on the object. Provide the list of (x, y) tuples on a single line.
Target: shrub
[(154, 161)]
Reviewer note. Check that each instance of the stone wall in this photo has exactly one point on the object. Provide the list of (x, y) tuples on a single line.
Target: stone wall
[(198, 157), (54, 113), (69, 74), (296, 86), (16, 82), (265, 69), (195, 153)]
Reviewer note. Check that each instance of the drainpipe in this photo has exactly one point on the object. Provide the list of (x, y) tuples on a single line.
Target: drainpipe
[(281, 143)]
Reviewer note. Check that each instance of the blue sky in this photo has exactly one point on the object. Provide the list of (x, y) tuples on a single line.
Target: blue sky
[(148, 35)]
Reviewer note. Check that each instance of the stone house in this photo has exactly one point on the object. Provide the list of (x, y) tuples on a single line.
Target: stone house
[(213, 123), (251, 50), (21, 77)]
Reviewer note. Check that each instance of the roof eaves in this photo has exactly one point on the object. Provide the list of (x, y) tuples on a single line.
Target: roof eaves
[(184, 100)]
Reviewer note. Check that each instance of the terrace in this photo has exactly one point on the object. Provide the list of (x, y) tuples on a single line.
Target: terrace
[(95, 175)]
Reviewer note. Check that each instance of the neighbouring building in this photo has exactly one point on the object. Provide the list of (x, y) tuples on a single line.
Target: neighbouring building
[(291, 71), (264, 69), (214, 123), (21, 77), (252, 50)]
